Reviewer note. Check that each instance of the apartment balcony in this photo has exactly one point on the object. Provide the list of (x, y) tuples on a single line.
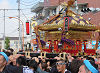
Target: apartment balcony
[(50, 7), (38, 7), (81, 5), (39, 16)]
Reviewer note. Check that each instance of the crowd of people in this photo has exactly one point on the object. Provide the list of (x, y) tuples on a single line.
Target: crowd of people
[(18, 63)]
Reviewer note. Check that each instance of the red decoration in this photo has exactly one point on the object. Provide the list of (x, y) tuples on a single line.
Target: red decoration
[(50, 45), (27, 28), (84, 45), (90, 51), (55, 45), (65, 45), (77, 45), (80, 45), (47, 50)]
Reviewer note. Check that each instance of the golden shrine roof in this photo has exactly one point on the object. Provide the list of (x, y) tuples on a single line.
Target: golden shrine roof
[(75, 22)]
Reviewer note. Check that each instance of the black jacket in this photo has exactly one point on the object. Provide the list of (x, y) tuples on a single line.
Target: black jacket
[(12, 69), (67, 71)]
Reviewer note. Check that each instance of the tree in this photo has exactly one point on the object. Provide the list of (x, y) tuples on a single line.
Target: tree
[(7, 43)]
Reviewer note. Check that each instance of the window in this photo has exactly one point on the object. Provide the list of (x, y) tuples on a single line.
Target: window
[(54, 11), (83, 5)]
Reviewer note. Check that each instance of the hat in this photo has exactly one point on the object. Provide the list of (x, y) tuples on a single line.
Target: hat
[(5, 56), (90, 67)]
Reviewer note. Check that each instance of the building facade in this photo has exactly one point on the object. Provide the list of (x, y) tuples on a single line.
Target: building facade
[(49, 8), (94, 16), (13, 42)]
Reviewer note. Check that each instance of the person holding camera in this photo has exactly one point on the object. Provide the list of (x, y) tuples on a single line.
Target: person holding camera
[(61, 66)]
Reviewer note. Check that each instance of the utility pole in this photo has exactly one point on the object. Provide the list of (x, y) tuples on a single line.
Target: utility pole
[(4, 10), (4, 29), (20, 42), (31, 34)]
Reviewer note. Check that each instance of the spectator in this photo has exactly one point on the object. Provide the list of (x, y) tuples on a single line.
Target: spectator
[(32, 67), (48, 66), (21, 61), (88, 67), (3, 61), (75, 64), (54, 69), (43, 66), (10, 50), (4, 68), (61, 66), (8, 53), (98, 59), (14, 57)]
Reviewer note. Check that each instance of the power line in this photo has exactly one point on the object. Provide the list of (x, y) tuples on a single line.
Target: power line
[(9, 9), (27, 2), (24, 15), (25, 8), (28, 13), (30, 4)]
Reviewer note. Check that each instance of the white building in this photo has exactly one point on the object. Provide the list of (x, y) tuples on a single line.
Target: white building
[(13, 42)]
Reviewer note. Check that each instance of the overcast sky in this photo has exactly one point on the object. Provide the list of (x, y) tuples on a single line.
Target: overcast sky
[(12, 24)]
